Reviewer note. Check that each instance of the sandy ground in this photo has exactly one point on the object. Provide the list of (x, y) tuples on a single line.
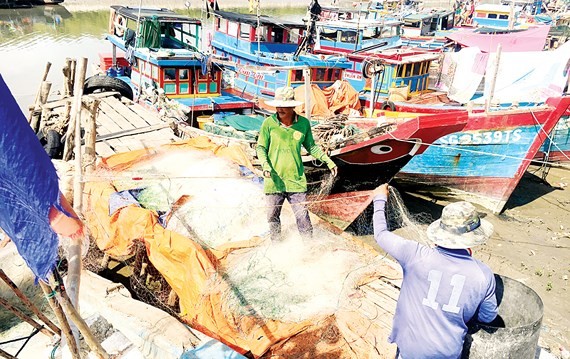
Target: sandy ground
[(531, 244)]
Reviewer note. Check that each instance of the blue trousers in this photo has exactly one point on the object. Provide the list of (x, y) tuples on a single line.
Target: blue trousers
[(299, 206)]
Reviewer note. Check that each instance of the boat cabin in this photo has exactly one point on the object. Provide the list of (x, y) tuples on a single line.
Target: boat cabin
[(428, 23), (165, 53), (494, 15), (349, 35), (264, 53)]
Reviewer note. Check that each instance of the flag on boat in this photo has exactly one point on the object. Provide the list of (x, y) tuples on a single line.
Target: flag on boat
[(28, 188)]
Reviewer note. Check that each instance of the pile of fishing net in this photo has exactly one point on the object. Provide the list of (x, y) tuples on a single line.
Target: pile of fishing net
[(200, 212)]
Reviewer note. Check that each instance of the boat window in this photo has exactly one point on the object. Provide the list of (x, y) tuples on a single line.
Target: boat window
[(147, 69), (183, 74), (293, 36), (183, 88), (169, 74), (417, 69), (328, 34), (408, 71), (244, 31), (320, 74), (504, 17), (399, 70), (277, 34), (223, 25), (233, 28), (348, 36), (297, 75), (261, 33), (336, 74), (492, 16)]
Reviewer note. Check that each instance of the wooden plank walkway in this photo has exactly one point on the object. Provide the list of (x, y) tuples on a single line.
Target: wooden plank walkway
[(123, 126)]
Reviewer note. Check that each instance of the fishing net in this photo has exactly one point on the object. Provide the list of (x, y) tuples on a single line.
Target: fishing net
[(195, 237)]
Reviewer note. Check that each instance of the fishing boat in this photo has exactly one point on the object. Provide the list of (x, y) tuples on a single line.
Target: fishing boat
[(485, 161), (162, 57), (381, 59), (261, 51), (556, 148)]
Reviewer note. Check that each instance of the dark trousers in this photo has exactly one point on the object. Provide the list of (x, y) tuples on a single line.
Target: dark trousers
[(298, 203)]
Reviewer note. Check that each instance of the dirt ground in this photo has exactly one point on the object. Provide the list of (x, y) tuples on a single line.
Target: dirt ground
[(531, 244)]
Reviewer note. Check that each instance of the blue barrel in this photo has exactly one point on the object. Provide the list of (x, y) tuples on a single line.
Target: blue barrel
[(515, 332)]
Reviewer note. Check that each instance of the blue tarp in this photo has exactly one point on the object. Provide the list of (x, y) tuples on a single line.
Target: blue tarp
[(210, 350), (28, 188)]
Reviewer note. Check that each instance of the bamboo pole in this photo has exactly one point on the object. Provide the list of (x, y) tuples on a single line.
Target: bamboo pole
[(25, 317), (3, 354), (66, 74), (64, 324), (78, 93), (44, 77), (44, 93), (308, 90), (91, 137), (494, 79), (75, 317), (28, 302)]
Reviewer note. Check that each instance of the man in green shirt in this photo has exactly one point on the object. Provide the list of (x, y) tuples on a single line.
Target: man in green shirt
[(279, 151)]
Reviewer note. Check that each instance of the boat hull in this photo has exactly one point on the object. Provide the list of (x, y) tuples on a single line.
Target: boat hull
[(556, 148), (484, 162), (371, 162)]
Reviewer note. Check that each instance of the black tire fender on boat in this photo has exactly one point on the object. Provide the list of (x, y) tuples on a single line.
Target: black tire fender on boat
[(100, 83), (53, 145), (388, 106)]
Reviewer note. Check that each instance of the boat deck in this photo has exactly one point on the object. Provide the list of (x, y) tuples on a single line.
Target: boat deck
[(122, 125)]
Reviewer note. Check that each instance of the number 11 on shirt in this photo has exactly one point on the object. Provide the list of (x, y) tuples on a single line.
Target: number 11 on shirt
[(457, 282)]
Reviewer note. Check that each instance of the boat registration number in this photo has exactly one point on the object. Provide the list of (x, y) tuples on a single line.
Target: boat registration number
[(249, 73), (482, 138)]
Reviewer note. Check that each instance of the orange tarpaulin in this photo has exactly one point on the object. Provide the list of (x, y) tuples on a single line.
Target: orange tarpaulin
[(340, 98), (189, 268)]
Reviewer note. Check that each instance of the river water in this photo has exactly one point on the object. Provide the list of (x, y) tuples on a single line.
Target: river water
[(29, 38)]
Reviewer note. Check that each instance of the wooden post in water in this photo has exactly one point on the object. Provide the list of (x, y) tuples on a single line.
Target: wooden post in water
[(42, 99), (67, 78), (63, 323), (28, 302), (44, 77)]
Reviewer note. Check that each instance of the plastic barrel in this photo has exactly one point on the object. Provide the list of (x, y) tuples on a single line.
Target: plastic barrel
[(203, 119), (515, 332)]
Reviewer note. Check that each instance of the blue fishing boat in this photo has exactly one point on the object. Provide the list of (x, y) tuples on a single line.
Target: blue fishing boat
[(556, 148), (485, 161), (162, 57), (381, 60), (262, 52)]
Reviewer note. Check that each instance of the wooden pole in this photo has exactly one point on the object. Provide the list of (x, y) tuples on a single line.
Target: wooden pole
[(372, 95), (25, 318), (78, 93), (494, 79), (63, 323), (91, 137), (3, 354), (44, 77), (28, 302), (308, 90), (75, 317), (43, 96), (67, 81)]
